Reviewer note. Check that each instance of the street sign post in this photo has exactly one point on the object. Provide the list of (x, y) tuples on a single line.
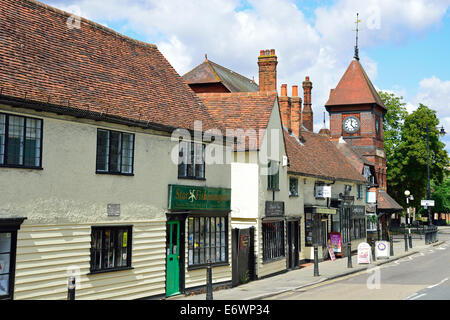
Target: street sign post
[(427, 203)]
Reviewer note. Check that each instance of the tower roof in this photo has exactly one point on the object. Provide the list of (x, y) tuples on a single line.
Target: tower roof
[(354, 87)]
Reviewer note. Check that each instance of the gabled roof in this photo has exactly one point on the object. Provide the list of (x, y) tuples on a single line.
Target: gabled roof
[(249, 111), (90, 68), (354, 87), (315, 155), (210, 72)]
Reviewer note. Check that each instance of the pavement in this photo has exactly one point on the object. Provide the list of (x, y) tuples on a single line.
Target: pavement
[(304, 277)]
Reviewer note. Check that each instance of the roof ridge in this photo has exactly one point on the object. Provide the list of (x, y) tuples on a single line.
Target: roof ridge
[(231, 71), (91, 23)]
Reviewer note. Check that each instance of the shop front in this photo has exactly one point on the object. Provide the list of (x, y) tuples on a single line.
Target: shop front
[(318, 225), (197, 234)]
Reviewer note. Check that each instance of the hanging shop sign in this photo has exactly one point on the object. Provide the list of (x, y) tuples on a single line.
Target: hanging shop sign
[(336, 242), (381, 250), (364, 253), (199, 198), (371, 197), (274, 208)]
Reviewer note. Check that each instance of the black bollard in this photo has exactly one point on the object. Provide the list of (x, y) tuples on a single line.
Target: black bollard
[(391, 246), (410, 239), (71, 288), (209, 295), (372, 245), (406, 241), (316, 261), (349, 257)]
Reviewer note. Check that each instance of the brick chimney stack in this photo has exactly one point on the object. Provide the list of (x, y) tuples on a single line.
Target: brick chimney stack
[(267, 62), (296, 112), (285, 108), (307, 114)]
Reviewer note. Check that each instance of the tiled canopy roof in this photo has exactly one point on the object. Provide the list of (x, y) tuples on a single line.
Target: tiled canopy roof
[(317, 156), (249, 111), (354, 87), (210, 72), (90, 67), (386, 203)]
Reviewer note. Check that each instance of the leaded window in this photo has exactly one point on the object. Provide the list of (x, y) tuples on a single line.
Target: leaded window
[(110, 248), (115, 152), (293, 187), (191, 164), (207, 240), (20, 141)]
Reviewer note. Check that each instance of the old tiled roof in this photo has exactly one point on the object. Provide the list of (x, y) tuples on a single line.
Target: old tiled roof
[(315, 155), (210, 72), (356, 159), (386, 203), (249, 111), (354, 87), (90, 67)]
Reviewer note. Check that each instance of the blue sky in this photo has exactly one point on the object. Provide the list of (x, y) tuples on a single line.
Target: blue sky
[(404, 44)]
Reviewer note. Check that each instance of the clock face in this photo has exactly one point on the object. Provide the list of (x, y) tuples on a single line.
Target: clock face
[(351, 124)]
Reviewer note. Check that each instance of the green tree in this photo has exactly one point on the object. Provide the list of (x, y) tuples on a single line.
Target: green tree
[(441, 196), (406, 149)]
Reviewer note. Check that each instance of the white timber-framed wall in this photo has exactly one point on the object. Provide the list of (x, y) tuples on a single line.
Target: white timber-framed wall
[(249, 191), (63, 200)]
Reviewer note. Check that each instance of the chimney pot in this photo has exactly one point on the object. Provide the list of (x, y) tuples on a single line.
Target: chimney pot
[(307, 78), (272, 52), (267, 52), (295, 91), (261, 52), (284, 90)]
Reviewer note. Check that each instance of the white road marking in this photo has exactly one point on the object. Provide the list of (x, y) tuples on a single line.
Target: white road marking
[(409, 297), (435, 285), (419, 296)]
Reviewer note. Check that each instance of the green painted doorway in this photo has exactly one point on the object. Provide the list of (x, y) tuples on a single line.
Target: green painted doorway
[(173, 258)]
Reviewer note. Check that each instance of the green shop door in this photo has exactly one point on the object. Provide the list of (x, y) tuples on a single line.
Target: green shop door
[(173, 258)]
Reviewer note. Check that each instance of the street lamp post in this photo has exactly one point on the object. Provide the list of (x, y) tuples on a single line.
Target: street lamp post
[(348, 201), (441, 133), (408, 217)]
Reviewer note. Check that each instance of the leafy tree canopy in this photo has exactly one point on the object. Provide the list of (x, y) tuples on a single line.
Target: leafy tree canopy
[(405, 139)]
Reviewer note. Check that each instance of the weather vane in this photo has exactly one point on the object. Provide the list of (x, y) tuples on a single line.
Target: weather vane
[(356, 46)]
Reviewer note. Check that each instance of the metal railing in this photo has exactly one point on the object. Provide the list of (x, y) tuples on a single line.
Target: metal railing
[(431, 234)]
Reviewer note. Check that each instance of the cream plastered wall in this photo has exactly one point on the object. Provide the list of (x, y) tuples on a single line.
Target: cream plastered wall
[(62, 202), (306, 186)]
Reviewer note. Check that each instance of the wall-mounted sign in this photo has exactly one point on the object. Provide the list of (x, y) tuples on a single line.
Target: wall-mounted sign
[(199, 198), (323, 192), (274, 208), (113, 210)]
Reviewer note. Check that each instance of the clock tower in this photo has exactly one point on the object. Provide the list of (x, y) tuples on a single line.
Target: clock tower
[(356, 116)]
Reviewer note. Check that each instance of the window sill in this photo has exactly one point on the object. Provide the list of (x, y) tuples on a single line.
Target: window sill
[(268, 189), (203, 266), (293, 195), (109, 270), (20, 167), (191, 178), (115, 173)]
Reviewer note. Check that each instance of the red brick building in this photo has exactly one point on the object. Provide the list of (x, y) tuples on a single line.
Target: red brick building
[(356, 120)]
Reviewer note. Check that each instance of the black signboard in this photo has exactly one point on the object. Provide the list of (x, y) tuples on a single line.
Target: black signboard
[(274, 208)]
